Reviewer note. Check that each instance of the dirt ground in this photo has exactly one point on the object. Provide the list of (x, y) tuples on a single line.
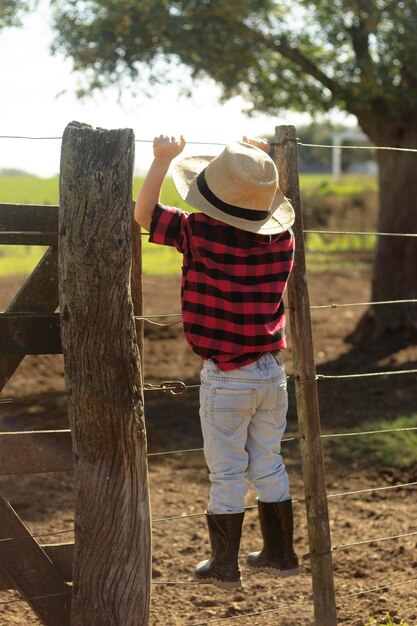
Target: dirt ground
[(368, 577)]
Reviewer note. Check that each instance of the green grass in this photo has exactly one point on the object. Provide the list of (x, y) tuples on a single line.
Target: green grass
[(398, 449), (322, 185), (161, 260), (33, 190), (16, 260), (29, 190), (320, 194)]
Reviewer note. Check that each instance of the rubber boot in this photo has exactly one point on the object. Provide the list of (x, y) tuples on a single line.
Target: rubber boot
[(222, 569), (277, 556)]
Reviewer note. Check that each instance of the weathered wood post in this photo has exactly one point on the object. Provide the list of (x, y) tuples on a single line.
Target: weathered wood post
[(102, 368), (306, 392)]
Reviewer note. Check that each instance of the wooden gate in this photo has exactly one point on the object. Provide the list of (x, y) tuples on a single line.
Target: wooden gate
[(30, 326)]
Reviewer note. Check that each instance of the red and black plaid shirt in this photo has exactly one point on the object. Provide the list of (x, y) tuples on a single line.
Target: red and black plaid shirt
[(232, 285)]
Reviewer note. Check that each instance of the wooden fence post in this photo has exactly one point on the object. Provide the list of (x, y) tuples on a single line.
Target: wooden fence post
[(112, 557), (306, 392)]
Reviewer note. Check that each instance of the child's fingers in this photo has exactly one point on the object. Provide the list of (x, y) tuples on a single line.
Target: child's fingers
[(168, 147), (258, 142)]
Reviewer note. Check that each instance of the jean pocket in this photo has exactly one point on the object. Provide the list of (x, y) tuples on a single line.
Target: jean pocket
[(229, 409)]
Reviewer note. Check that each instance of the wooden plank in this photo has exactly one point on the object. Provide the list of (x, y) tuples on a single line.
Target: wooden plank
[(38, 294), (61, 555), (31, 571), (306, 393), (26, 333), (105, 401), (28, 217), (28, 239), (33, 452)]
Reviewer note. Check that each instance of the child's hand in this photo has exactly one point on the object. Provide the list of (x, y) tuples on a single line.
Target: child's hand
[(262, 144), (167, 148)]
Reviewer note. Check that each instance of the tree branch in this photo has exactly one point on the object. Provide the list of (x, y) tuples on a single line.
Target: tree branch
[(297, 57), (368, 21)]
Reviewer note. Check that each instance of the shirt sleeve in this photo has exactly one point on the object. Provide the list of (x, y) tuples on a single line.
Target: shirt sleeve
[(168, 227)]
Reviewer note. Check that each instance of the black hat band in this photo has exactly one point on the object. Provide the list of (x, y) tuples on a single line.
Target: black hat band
[(230, 209)]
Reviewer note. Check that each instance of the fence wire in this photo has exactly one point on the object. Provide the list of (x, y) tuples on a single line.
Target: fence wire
[(307, 231), (219, 143), (151, 318), (354, 232), (184, 516), (298, 604), (242, 615), (347, 147)]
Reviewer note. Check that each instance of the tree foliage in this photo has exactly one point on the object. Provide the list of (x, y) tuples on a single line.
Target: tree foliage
[(12, 11), (305, 55), (356, 55)]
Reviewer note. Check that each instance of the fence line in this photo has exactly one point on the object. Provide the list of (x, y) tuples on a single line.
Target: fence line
[(286, 606), (250, 507), (299, 500), (150, 318), (309, 555), (344, 546), (26, 137), (307, 231), (218, 143), (354, 232), (368, 432), (315, 145), (349, 304), (364, 375), (23, 399), (290, 439), (242, 616), (173, 386), (51, 595), (37, 536)]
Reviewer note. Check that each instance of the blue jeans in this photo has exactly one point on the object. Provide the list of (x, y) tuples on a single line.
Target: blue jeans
[(243, 418)]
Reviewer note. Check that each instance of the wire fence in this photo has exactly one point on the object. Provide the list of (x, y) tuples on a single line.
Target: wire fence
[(177, 388), (298, 604), (219, 143)]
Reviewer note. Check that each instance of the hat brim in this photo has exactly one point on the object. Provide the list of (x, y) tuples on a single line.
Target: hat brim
[(184, 174)]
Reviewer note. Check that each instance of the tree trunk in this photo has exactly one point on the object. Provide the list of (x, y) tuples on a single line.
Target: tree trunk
[(395, 266)]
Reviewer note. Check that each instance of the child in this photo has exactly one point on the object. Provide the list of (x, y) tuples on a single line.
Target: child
[(237, 256)]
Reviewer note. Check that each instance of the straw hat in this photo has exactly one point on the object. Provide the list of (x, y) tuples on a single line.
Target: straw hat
[(238, 187)]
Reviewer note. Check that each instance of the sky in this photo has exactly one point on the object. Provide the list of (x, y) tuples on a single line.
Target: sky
[(31, 79)]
